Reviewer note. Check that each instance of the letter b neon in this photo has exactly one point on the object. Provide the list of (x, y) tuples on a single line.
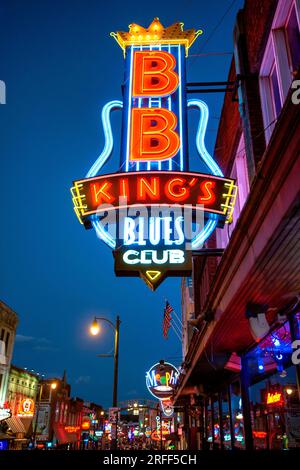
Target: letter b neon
[(152, 134), (153, 74)]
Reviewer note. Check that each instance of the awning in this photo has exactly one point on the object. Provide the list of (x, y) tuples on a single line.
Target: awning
[(64, 437), (16, 425)]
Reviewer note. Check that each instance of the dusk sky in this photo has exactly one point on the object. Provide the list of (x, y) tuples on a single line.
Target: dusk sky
[(60, 66)]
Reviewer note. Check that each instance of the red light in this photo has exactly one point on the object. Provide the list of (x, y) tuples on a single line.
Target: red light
[(148, 189), (208, 196), (152, 134), (154, 74)]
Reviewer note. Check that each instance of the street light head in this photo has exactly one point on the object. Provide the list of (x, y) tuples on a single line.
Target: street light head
[(95, 328), (53, 385), (135, 405), (289, 390)]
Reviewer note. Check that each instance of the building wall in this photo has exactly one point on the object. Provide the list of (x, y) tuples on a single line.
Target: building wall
[(8, 324), (187, 312), (247, 123), (21, 384)]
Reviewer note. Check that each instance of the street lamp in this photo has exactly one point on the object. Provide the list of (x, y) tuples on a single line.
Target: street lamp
[(95, 330), (53, 386)]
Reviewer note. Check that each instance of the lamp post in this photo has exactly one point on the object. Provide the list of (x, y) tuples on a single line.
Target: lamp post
[(95, 329), (53, 386)]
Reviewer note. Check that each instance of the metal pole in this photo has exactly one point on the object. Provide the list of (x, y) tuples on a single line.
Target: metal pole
[(116, 363), (246, 403), (37, 415), (115, 387), (161, 441)]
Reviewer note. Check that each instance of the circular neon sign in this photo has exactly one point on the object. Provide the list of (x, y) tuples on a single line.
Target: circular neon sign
[(161, 380)]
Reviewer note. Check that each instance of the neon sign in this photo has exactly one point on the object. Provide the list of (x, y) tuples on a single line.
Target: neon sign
[(161, 380), (274, 398), (162, 430), (5, 413), (153, 175), (86, 424), (26, 408), (73, 429)]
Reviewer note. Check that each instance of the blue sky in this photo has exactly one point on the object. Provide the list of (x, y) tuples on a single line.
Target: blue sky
[(60, 67)]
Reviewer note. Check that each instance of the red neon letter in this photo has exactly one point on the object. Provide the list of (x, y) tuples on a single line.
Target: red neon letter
[(124, 188), (100, 193), (148, 189), (152, 134), (153, 74), (208, 195), (181, 194)]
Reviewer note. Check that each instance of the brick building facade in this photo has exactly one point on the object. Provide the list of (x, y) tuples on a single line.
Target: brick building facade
[(247, 300)]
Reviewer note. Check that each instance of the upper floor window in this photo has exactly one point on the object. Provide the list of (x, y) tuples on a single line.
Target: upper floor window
[(239, 173), (280, 62)]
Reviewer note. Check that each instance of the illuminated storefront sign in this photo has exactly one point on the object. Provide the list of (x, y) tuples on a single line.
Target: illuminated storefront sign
[(86, 424), (5, 413), (26, 408), (161, 380), (161, 431), (72, 429), (274, 398), (145, 203)]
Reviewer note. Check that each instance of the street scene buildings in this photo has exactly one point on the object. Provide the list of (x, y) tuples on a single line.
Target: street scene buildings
[(237, 386)]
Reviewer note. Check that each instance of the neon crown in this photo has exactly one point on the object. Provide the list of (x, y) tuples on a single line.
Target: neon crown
[(156, 34)]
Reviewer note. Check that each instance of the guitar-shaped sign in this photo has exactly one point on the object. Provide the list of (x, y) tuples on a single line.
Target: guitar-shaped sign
[(153, 212)]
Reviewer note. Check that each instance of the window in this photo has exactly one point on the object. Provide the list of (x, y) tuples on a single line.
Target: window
[(239, 172), (7, 342), (293, 39), (280, 61)]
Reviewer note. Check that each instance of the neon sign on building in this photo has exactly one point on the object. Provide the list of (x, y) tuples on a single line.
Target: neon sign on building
[(26, 408), (161, 381), (148, 210)]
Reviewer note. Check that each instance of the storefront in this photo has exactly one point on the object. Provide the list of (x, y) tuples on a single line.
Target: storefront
[(263, 398)]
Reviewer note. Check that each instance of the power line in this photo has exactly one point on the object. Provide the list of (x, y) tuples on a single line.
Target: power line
[(214, 30)]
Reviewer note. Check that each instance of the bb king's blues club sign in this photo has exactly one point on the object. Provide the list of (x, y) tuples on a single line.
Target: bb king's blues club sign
[(153, 212)]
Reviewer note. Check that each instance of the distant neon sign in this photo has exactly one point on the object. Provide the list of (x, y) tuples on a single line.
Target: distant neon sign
[(86, 424), (154, 161), (274, 398), (26, 408), (5, 413), (72, 429)]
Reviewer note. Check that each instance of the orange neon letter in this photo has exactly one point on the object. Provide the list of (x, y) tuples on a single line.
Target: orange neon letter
[(148, 189), (153, 74), (124, 188), (152, 134), (100, 193), (207, 191), (179, 194)]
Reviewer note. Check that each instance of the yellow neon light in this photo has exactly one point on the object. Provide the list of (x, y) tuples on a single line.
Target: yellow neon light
[(78, 201), (153, 275), (230, 200), (156, 33)]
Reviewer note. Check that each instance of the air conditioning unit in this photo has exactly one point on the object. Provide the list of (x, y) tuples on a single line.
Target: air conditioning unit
[(256, 314)]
